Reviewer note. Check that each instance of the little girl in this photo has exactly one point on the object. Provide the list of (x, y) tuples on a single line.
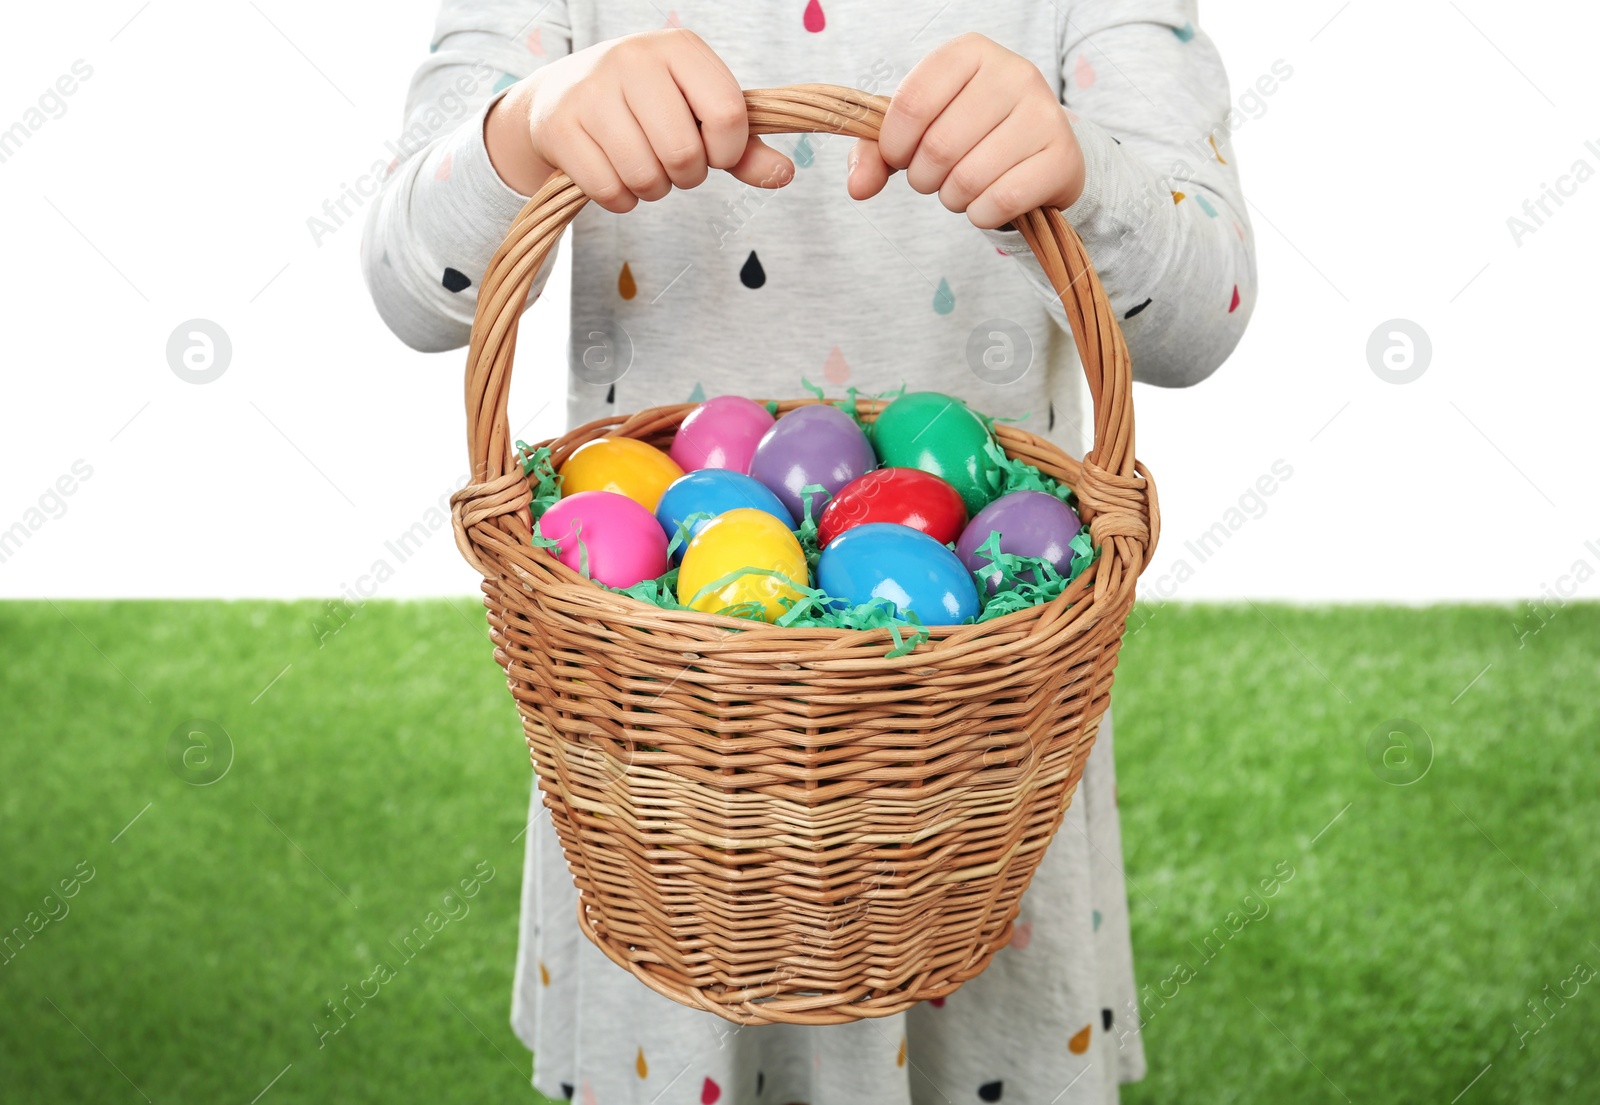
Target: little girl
[(768, 271)]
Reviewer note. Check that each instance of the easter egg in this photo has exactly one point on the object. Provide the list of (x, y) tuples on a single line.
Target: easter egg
[(939, 434), (714, 491), (817, 443), (621, 539), (722, 432), (903, 565), (623, 465), (733, 542), (908, 496), (1031, 523)]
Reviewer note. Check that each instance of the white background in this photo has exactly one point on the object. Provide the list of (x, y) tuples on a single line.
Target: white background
[(179, 181)]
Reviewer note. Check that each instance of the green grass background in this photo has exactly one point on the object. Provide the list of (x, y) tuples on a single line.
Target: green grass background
[(385, 764)]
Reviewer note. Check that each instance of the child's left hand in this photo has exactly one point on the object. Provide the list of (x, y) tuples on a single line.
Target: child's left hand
[(981, 126)]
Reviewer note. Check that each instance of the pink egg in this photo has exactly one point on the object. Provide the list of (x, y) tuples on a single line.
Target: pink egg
[(623, 541), (721, 433)]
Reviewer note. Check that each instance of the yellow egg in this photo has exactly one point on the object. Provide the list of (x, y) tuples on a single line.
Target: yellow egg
[(624, 465), (735, 540)]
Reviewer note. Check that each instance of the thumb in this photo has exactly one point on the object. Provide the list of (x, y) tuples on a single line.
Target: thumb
[(868, 171), (762, 166)]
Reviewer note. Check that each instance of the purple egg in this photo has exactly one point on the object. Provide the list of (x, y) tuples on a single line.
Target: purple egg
[(1031, 523), (817, 443)]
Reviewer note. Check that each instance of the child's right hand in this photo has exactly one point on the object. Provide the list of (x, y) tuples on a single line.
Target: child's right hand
[(619, 119)]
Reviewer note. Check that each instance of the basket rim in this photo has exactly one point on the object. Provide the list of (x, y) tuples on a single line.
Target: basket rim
[(574, 584)]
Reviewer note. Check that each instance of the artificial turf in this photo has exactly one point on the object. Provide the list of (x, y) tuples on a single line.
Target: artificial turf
[(1436, 941)]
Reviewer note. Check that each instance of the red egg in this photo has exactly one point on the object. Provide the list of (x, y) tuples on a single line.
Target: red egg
[(907, 496)]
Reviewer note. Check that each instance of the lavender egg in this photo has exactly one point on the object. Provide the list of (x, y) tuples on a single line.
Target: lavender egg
[(818, 443), (1031, 523)]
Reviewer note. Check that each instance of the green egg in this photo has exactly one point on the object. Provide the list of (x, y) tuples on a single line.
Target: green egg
[(939, 434)]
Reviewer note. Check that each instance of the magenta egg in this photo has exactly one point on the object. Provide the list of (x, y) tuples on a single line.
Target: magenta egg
[(622, 540), (722, 432)]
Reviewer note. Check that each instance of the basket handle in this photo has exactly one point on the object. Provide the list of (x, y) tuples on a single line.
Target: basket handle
[(1114, 493)]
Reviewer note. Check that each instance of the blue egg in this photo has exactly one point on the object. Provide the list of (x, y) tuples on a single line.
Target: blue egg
[(713, 491), (901, 564)]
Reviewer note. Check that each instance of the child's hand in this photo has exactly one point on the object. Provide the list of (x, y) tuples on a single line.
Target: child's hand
[(981, 126), (619, 119)]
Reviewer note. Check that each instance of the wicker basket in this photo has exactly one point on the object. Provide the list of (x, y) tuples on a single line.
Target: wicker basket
[(784, 825)]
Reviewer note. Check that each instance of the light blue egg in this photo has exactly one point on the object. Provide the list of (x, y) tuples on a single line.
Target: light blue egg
[(712, 491), (901, 564)]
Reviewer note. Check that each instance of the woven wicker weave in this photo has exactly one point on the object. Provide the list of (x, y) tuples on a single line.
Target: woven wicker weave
[(784, 825)]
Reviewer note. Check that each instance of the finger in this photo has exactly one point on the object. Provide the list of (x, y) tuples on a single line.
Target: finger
[(716, 99), (762, 166), (1018, 190), (1011, 143), (582, 159), (868, 171), (975, 112), (629, 150), (668, 125), (926, 91)]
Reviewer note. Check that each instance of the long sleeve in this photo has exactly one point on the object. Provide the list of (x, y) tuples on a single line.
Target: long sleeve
[(443, 210), (1162, 214)]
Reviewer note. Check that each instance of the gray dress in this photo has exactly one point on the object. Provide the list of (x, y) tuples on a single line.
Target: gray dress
[(729, 290)]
